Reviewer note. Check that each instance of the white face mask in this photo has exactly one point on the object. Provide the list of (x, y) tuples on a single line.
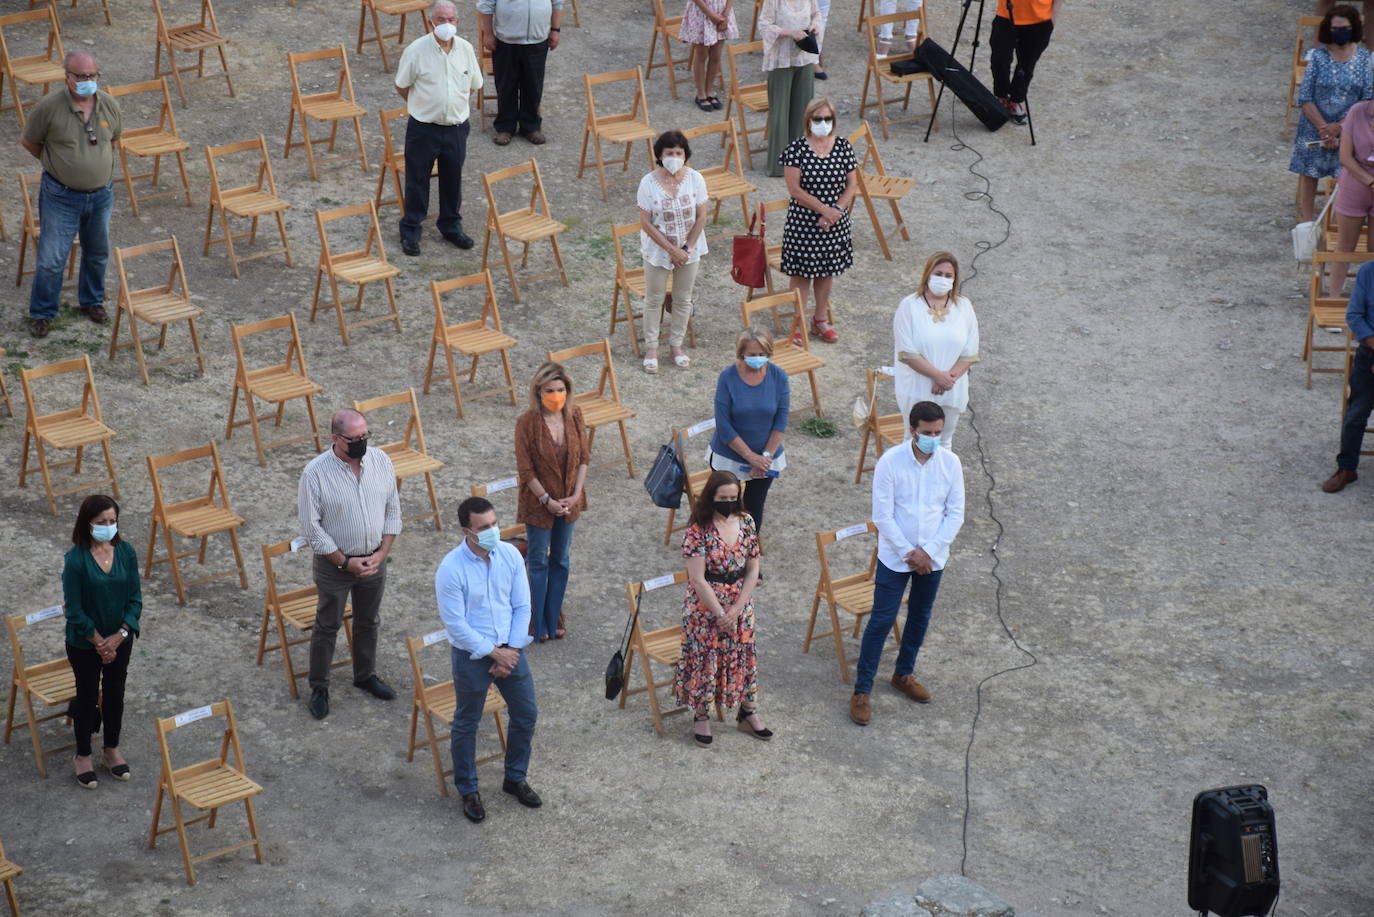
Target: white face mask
[(820, 128), (940, 285), (673, 163), (445, 31)]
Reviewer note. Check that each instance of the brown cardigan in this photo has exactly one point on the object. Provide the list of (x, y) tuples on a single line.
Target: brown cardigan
[(536, 456)]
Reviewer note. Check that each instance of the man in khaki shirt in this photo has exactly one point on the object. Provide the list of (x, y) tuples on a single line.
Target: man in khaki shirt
[(435, 76), (72, 133)]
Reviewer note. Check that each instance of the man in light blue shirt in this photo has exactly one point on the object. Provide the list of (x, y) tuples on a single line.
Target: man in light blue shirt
[(484, 601), (918, 508)]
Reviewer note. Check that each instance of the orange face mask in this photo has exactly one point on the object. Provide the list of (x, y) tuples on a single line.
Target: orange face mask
[(554, 401)]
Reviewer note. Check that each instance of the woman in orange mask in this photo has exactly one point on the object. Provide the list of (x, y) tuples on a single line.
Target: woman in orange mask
[(551, 456)]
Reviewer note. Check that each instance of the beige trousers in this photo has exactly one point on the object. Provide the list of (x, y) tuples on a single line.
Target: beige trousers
[(655, 285)]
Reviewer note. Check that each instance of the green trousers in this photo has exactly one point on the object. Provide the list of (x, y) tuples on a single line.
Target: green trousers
[(789, 92)]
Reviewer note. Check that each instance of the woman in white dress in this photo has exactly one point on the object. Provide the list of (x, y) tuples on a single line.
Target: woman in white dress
[(935, 336)]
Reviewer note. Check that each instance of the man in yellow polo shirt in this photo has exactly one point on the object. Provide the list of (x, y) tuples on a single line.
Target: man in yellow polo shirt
[(435, 76), (72, 133), (1023, 27)]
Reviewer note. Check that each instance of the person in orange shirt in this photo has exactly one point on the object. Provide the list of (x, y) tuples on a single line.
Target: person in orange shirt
[(1023, 27)]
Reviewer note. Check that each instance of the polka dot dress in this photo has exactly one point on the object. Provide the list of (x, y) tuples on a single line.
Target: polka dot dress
[(808, 250)]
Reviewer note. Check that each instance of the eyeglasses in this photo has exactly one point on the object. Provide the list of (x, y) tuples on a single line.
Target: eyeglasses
[(825, 118), (353, 439), (84, 76), (90, 133)]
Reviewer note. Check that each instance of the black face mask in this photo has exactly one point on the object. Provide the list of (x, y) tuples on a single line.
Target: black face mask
[(357, 449), (1341, 37), (726, 507)]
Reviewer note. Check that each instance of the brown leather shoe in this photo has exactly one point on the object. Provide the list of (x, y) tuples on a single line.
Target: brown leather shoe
[(502, 138), (912, 688), (858, 709), (38, 327), (1337, 481), (97, 314), (536, 137)]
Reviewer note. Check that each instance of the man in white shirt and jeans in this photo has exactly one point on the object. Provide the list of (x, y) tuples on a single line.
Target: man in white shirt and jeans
[(918, 507)]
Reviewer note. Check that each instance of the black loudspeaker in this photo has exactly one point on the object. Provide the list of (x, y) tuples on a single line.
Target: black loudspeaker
[(1233, 856), (965, 85)]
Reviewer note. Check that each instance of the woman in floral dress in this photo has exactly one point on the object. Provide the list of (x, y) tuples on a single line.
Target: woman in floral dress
[(707, 25), (718, 662)]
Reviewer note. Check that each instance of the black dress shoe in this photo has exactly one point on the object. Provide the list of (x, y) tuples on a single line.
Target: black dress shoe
[(319, 703), (376, 687), (523, 792), (459, 238), (38, 327), (473, 808), (97, 314), (410, 248)]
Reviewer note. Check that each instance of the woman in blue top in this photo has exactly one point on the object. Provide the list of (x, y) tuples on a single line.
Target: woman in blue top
[(753, 399), (1336, 77), (102, 599)]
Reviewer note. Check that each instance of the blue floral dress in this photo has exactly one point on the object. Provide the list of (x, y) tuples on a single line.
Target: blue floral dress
[(1333, 86)]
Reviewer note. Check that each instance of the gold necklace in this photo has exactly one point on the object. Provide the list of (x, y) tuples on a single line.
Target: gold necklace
[(937, 315)]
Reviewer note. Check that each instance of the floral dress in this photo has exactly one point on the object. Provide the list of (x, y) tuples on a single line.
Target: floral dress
[(715, 666), (699, 30), (1333, 86)]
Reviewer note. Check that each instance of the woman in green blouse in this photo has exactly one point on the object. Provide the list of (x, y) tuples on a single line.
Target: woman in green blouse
[(102, 600)]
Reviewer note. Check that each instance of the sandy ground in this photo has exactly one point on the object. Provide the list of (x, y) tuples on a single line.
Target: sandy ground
[(1190, 593)]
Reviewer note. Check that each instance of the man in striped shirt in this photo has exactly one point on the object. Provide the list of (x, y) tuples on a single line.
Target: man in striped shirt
[(350, 513)]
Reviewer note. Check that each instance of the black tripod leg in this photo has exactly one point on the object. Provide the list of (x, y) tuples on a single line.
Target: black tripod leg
[(1030, 122), (953, 50)]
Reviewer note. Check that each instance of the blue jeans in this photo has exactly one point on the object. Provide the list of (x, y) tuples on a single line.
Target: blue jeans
[(1358, 409), (888, 587), (546, 557), (63, 214), (470, 682)]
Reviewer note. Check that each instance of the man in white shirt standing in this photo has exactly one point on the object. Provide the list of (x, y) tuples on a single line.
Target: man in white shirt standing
[(437, 72), (484, 602), (918, 507)]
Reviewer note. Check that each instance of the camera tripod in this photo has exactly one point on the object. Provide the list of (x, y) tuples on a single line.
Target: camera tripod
[(973, 56)]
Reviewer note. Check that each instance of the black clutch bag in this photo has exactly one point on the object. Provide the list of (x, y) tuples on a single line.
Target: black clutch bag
[(808, 43)]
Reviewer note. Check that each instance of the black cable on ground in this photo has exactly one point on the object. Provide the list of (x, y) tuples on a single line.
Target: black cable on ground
[(983, 246)]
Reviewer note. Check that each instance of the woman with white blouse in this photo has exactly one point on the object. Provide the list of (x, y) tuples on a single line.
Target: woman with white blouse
[(791, 71), (672, 238), (935, 337)]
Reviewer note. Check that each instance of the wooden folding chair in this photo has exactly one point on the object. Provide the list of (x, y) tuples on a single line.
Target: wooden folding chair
[(601, 406), (247, 202), (28, 233), (694, 481), (151, 141), (662, 646), (394, 156), (198, 517), (486, 93), (882, 430), (207, 785), (1302, 44), (629, 283), (514, 533), (4, 233), (750, 97), (51, 683), (524, 225), (333, 107), (437, 701), (276, 384), (1328, 312), (101, 8), (41, 69), (852, 594), (666, 32), (156, 305), (474, 338), (725, 180), (1329, 231), (408, 454), (876, 184), (293, 609), (70, 428), (628, 128), (9, 871), (4, 389), (193, 38), (879, 70), (787, 356), (358, 267), (376, 8)]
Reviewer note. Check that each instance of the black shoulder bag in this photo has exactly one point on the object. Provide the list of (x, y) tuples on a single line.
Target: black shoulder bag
[(615, 669)]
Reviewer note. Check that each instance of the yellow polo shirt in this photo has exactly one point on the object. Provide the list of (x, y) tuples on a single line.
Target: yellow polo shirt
[(59, 127), (439, 83)]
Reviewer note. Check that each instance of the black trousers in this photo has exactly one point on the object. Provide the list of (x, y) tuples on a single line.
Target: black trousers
[(1028, 42), (519, 86), (97, 680), (425, 144), (755, 493)]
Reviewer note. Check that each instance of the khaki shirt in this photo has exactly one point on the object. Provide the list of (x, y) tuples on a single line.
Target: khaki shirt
[(59, 127), (439, 83)]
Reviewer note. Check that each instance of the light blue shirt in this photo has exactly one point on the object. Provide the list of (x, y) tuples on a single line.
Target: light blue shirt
[(484, 603)]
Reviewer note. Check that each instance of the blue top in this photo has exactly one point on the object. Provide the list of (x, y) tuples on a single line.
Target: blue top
[(1359, 311), (98, 601), (1333, 86), (484, 603), (750, 412)]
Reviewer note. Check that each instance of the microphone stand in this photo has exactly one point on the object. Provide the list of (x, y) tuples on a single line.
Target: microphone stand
[(953, 51)]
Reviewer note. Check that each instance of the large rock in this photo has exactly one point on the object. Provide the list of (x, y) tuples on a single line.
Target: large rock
[(957, 896)]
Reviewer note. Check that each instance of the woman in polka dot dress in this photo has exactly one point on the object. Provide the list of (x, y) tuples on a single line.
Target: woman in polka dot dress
[(822, 179)]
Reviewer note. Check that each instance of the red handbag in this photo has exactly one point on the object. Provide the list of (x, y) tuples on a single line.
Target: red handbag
[(749, 260)]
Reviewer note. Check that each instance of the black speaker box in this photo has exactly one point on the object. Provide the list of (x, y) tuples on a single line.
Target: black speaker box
[(1233, 855), (965, 85)]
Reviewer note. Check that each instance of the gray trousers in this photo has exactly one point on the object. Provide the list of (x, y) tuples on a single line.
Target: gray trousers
[(336, 587), (789, 92)]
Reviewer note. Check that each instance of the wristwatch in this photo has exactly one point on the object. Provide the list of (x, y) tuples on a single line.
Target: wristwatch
[(124, 632), (766, 454)]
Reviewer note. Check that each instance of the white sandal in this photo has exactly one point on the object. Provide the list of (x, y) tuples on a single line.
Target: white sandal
[(682, 360), (651, 365)]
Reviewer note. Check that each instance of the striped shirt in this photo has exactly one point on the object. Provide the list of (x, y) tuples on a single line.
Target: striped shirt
[(340, 511)]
